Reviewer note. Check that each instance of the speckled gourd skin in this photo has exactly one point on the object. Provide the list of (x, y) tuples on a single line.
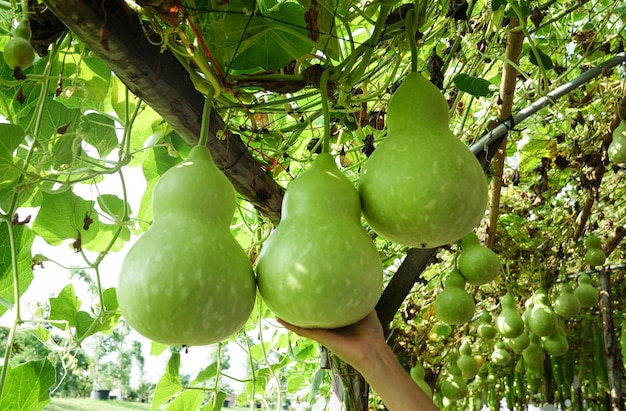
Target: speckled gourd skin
[(187, 281), (422, 186), (319, 268)]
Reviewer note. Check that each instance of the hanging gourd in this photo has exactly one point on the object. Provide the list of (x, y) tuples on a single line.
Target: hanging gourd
[(187, 281), (418, 373), (478, 264), (519, 343), (454, 387), (594, 255), (542, 319), (556, 344), (586, 293), (18, 53), (566, 304), (617, 148), (486, 330), (320, 268), (534, 355), (454, 305), (467, 363), (422, 186), (509, 322), (500, 356)]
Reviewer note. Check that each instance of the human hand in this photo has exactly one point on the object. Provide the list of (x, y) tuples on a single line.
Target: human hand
[(353, 344)]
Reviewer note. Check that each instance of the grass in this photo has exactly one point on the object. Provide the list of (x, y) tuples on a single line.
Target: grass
[(87, 404)]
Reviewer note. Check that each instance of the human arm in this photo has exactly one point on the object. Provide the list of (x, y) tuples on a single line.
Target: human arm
[(363, 346)]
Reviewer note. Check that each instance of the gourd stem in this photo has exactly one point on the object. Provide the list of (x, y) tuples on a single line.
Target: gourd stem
[(325, 111), (410, 34), (206, 119)]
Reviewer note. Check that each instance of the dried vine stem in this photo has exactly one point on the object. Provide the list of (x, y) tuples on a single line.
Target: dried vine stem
[(514, 44)]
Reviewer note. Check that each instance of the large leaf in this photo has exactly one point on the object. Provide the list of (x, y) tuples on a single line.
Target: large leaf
[(11, 136), (66, 216), (89, 89), (169, 384), (266, 39), (23, 239), (27, 386), (64, 307), (188, 400), (99, 131), (475, 86)]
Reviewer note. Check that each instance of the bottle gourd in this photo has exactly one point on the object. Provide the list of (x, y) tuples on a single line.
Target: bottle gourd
[(187, 280), (319, 268), (422, 186)]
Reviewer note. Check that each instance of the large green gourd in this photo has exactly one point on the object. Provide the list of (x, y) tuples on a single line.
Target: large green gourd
[(187, 280), (320, 268), (422, 186)]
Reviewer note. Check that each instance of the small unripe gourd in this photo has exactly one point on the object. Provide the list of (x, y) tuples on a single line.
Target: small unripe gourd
[(23, 30), (509, 322), (566, 304), (454, 305), (617, 148), (417, 373), (454, 387), (18, 53), (467, 363), (500, 356), (478, 264), (542, 319), (594, 255), (486, 330), (187, 281), (586, 293), (534, 355), (519, 343), (320, 268), (556, 344), (422, 186)]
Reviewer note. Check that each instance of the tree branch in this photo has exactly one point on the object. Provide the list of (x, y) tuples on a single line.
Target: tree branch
[(514, 44)]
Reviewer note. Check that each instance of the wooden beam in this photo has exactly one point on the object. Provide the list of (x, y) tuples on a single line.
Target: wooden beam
[(113, 32)]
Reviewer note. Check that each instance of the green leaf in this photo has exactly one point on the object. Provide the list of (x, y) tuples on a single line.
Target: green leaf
[(206, 374), (42, 334), (268, 39), (496, 4), (475, 86), (218, 399), (110, 299), (64, 307), (87, 325), (91, 87), (188, 400), (23, 239), (99, 131), (11, 136), (295, 383), (64, 151), (546, 61), (114, 206), (27, 386), (157, 348), (64, 216), (108, 233), (169, 384)]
